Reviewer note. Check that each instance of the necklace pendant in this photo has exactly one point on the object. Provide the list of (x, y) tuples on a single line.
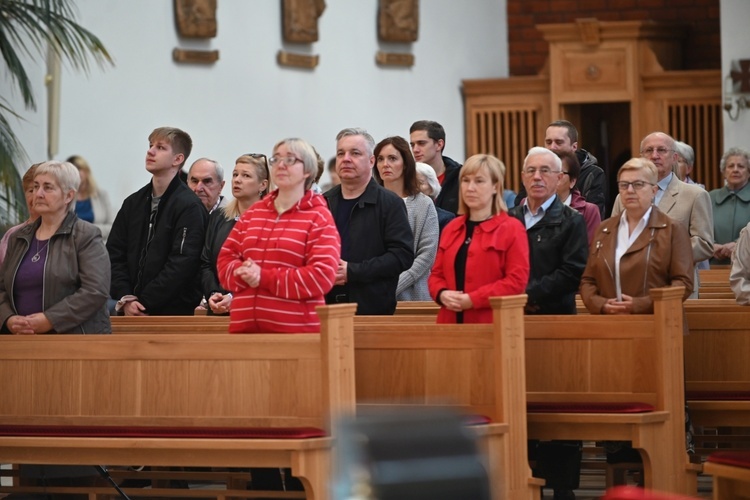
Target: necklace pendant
[(35, 258)]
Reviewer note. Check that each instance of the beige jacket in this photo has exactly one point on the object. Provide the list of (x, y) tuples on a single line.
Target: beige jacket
[(739, 276)]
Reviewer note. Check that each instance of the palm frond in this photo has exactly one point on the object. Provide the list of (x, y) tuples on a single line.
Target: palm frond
[(31, 26)]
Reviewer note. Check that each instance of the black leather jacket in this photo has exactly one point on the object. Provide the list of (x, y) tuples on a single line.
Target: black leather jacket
[(558, 250)]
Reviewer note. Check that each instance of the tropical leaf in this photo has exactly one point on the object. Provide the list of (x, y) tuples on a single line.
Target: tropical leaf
[(30, 28)]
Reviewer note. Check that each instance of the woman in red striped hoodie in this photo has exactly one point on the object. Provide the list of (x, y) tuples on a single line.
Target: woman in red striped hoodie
[(280, 259)]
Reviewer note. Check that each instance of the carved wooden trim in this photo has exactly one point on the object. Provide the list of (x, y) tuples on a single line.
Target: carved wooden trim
[(297, 60), (394, 59), (195, 56)]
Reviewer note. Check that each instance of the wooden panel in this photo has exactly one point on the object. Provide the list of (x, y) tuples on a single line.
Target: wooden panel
[(699, 123), (604, 71)]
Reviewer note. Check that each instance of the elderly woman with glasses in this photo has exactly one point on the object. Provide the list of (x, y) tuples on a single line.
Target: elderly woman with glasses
[(249, 185), (637, 250), (56, 274), (281, 257)]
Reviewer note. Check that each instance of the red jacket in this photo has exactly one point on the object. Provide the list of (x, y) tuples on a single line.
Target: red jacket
[(298, 253), (497, 264)]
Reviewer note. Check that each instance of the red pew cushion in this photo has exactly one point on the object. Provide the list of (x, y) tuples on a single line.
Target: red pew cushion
[(547, 407), (734, 458)]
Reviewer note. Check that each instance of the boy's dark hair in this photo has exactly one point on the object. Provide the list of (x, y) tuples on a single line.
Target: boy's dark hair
[(434, 130)]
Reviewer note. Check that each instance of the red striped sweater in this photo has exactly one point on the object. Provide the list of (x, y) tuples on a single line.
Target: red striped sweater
[(298, 253)]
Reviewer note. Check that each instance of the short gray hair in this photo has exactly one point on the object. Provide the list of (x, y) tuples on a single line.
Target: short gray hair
[(431, 177), (358, 131), (66, 174), (685, 151), (733, 152), (538, 151), (217, 167)]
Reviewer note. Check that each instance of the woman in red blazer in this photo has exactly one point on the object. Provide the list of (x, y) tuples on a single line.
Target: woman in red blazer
[(483, 252)]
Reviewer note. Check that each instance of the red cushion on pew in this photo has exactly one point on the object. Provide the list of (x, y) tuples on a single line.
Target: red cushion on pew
[(635, 493), (547, 407), (477, 420), (162, 432), (717, 395), (735, 458)]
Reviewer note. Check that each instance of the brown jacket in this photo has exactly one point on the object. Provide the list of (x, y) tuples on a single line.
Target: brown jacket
[(660, 256)]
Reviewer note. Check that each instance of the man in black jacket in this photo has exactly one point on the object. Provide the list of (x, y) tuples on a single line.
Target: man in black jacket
[(557, 253), (376, 239), (157, 236), (427, 139)]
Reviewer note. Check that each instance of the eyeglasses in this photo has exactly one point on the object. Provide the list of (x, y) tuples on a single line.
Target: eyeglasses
[(288, 160), (650, 151), (542, 170), (565, 173), (637, 185)]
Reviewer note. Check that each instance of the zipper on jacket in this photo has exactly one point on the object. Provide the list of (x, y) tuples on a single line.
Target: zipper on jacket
[(184, 235)]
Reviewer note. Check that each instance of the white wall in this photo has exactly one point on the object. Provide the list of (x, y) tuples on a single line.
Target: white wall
[(735, 44), (246, 102)]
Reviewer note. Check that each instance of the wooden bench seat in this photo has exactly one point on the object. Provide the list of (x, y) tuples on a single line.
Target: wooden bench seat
[(717, 375), (731, 474), (714, 283), (181, 381), (476, 369), (608, 359)]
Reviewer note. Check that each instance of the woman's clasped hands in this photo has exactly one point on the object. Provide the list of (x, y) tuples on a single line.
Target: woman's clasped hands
[(249, 272)]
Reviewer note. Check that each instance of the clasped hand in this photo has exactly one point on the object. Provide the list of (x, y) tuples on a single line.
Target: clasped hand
[(29, 325), (249, 272), (455, 300), (614, 306)]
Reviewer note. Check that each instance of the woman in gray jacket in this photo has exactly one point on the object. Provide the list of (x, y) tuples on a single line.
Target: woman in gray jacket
[(56, 274)]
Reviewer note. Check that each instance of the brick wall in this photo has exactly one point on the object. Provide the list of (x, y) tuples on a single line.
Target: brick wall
[(528, 50)]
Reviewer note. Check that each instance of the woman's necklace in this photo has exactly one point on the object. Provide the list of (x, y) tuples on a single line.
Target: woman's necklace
[(35, 257)]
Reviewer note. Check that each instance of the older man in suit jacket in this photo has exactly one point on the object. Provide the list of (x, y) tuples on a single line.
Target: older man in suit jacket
[(686, 203)]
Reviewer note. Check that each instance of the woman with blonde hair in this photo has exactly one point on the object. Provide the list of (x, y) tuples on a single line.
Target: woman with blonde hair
[(483, 252), (249, 185), (92, 204)]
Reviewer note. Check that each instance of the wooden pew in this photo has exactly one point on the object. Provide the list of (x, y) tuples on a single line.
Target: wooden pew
[(731, 475), (170, 324), (476, 369), (638, 346), (215, 383), (714, 283), (606, 359), (717, 374)]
